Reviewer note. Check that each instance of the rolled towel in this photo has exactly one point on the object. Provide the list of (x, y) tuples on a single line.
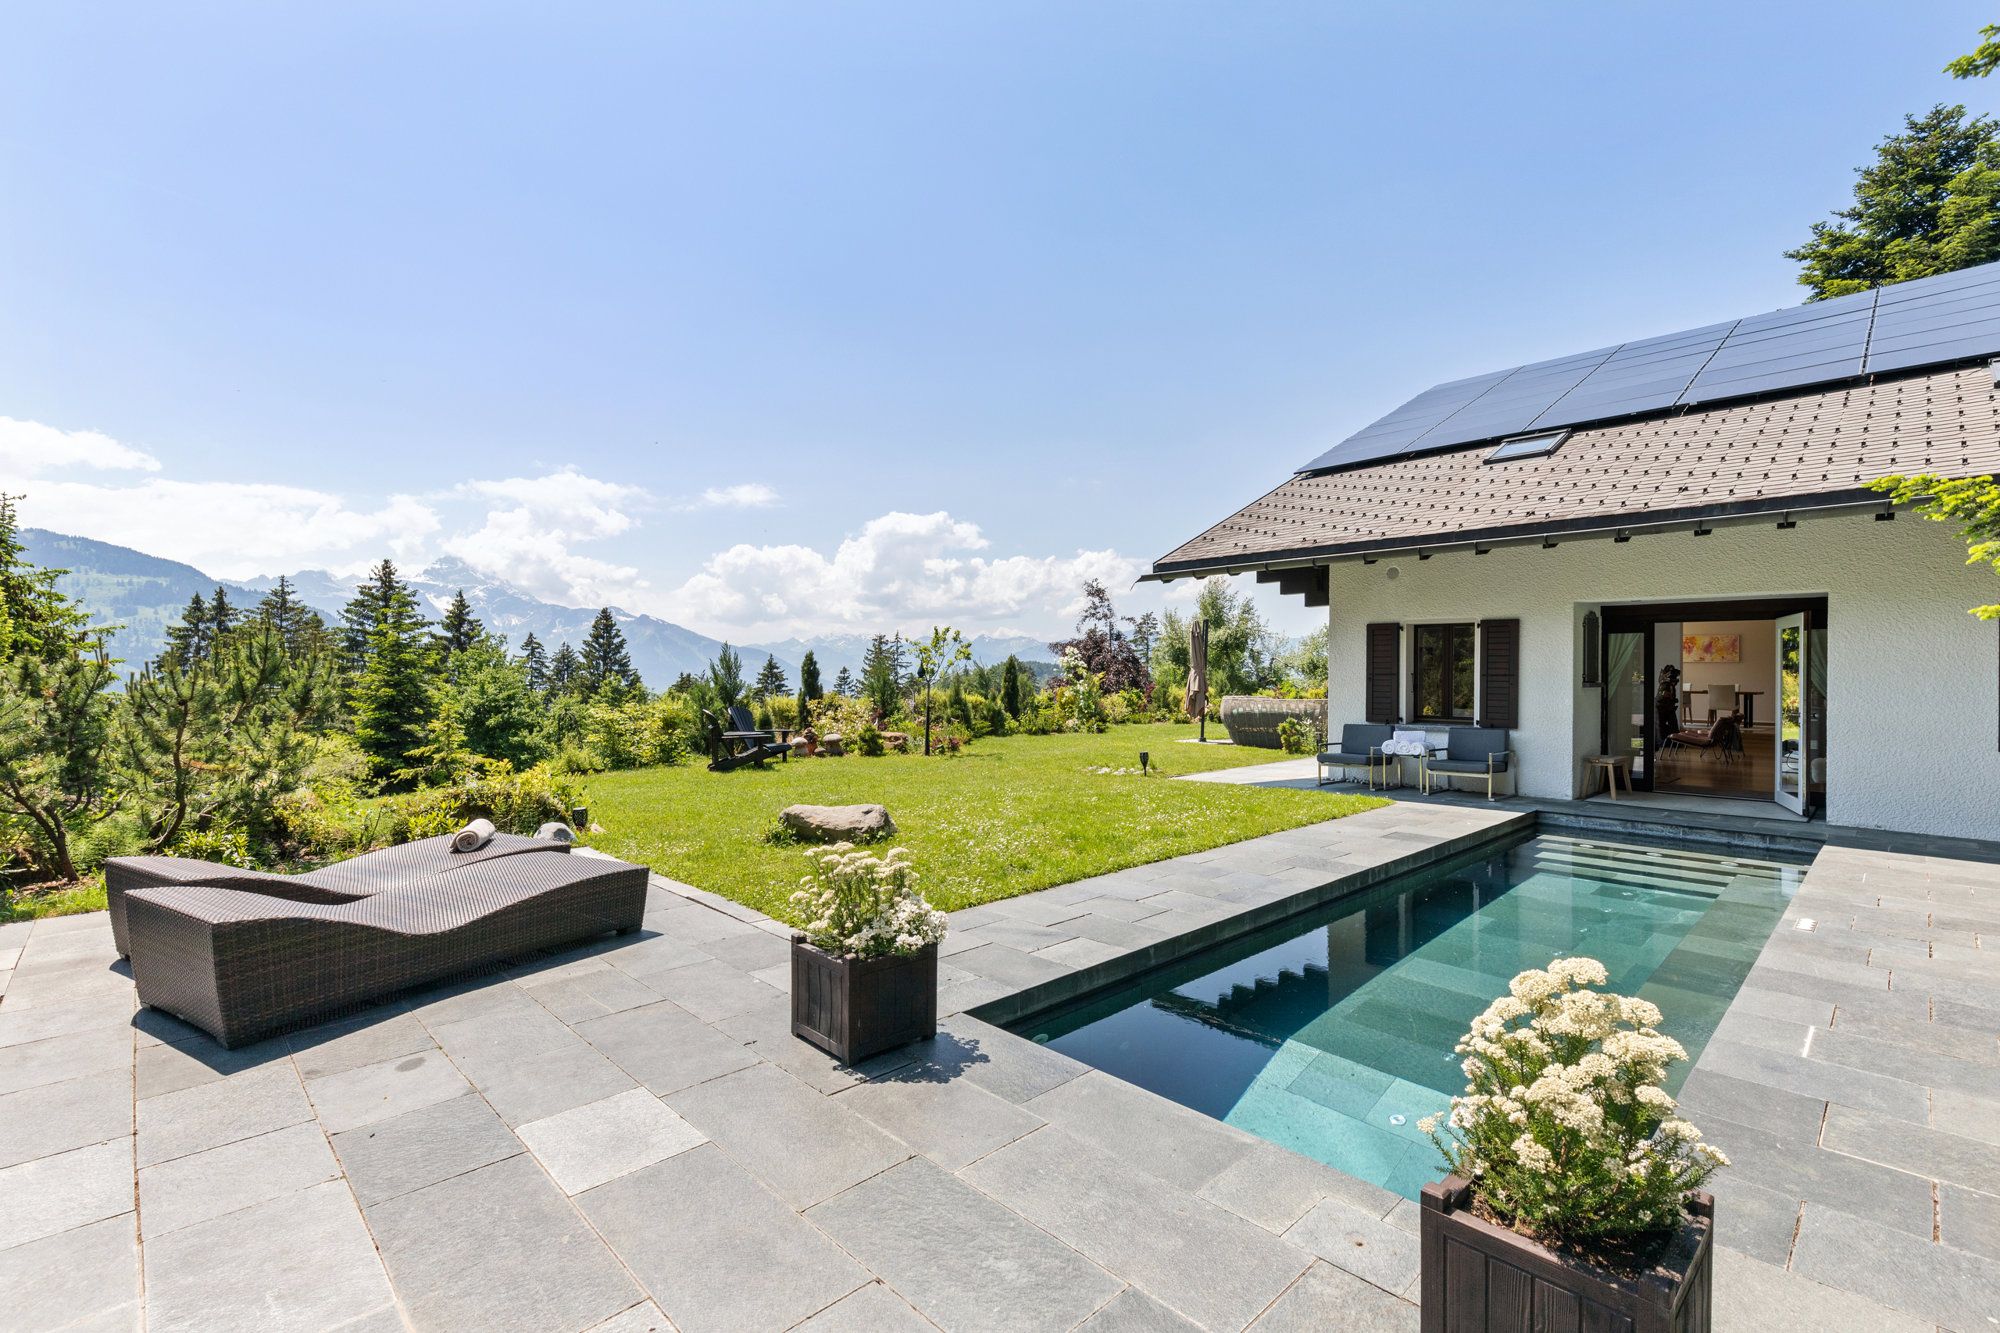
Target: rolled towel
[(555, 831), (473, 836)]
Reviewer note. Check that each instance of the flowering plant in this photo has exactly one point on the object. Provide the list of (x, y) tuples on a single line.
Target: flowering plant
[(1566, 1131), (861, 906)]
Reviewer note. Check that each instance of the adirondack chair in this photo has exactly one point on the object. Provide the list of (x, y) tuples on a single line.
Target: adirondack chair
[(737, 740)]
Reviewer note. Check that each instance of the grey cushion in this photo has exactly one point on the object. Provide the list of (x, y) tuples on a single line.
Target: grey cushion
[(1341, 757), (1474, 743), (1361, 737), (1474, 766)]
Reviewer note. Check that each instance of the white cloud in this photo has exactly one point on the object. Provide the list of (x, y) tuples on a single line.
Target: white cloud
[(528, 541), (29, 448), (744, 495), (901, 571)]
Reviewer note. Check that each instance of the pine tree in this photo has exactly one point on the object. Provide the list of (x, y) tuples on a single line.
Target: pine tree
[(563, 669), (35, 617), (881, 674), (771, 681), (1011, 693), (222, 618), (809, 686), (725, 677), (843, 684), (459, 629), (297, 625), (605, 660), (535, 663), (188, 641), (391, 697), (384, 593)]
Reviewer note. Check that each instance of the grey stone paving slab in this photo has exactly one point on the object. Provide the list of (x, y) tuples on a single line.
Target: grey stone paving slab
[(380, 1034), (499, 1247), (418, 1148), (54, 1059), (1081, 953), (1966, 1116), (1748, 1294), (1801, 1171), (1913, 1148), (209, 1115), (1327, 1298), (802, 1145), (57, 1117), (1756, 1220), (71, 1189), (1936, 1282), (86, 1273), (1275, 1187), (644, 1317), (995, 1059), (237, 1175), (530, 1066), (1789, 1115), (601, 989), (712, 990), (363, 1095), (1815, 1078), (164, 1067), (587, 1145), (1020, 935), (1970, 1219), (766, 1034), (1360, 1242), (751, 953), (302, 1262), (646, 955), (1009, 966), (1912, 1063), (462, 1001), (1180, 1146), (873, 1309), (734, 1260), (963, 1260), (1133, 1311), (665, 1047), (951, 1121), (1116, 929), (1205, 1262), (1038, 909)]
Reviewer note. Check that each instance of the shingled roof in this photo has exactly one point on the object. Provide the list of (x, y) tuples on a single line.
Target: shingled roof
[(1811, 450)]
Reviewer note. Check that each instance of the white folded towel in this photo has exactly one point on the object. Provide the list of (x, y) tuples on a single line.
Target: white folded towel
[(473, 836), (556, 831)]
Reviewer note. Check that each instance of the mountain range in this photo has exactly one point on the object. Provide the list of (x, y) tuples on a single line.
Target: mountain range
[(145, 594)]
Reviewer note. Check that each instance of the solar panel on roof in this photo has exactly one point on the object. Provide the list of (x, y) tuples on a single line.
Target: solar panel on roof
[(1927, 321)]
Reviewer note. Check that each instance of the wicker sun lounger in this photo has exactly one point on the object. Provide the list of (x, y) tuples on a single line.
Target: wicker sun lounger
[(242, 965), (358, 877)]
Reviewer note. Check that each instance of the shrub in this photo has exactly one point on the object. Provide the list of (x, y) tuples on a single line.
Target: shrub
[(1566, 1131), (221, 846), (838, 715), (1295, 736), (857, 905), (869, 740), (783, 711)]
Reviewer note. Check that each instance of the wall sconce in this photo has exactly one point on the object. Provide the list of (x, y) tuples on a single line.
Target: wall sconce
[(1593, 646)]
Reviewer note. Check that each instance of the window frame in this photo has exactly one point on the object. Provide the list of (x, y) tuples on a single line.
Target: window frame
[(1452, 630)]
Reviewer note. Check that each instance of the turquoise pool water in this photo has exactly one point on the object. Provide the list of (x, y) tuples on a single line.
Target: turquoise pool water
[(1332, 1033)]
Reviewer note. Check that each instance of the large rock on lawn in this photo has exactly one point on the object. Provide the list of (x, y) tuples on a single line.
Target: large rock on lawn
[(837, 823)]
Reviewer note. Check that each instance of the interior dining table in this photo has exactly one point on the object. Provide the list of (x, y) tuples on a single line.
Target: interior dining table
[(1749, 698)]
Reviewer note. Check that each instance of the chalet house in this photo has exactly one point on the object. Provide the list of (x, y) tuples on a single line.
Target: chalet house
[(1666, 551)]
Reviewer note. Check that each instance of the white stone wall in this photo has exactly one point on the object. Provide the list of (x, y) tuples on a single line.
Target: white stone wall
[(1911, 677)]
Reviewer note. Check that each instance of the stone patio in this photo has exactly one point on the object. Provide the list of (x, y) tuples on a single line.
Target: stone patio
[(628, 1137)]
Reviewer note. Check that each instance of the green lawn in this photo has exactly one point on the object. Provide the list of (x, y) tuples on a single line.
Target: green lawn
[(1007, 816)]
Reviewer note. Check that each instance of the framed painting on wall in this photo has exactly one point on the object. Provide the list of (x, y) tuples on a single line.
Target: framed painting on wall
[(1711, 648)]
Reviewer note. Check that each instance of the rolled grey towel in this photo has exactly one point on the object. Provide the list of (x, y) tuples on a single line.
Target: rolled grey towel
[(555, 831), (473, 836)]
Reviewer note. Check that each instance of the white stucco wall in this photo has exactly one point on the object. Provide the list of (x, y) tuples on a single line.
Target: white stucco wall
[(1911, 677)]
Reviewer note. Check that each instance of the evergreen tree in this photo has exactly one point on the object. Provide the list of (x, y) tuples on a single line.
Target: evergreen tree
[(881, 675), (391, 697), (843, 684), (498, 712), (35, 617), (771, 681), (564, 669), (809, 686), (725, 677), (222, 618), (459, 629), (605, 660), (297, 624), (687, 684), (535, 664), (384, 596), (1929, 203), (188, 641), (1011, 692)]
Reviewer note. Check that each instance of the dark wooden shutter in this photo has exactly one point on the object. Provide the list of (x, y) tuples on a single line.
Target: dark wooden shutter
[(1500, 673), (1384, 641)]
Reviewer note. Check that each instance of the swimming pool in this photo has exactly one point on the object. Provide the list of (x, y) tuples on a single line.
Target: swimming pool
[(1332, 1033)]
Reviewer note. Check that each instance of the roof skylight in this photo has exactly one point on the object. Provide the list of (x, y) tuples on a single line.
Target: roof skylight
[(1527, 446)]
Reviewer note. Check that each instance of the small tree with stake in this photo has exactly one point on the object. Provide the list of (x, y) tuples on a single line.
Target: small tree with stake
[(945, 649)]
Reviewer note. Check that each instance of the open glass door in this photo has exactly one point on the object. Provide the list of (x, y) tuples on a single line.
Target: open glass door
[(1793, 741), (1625, 703)]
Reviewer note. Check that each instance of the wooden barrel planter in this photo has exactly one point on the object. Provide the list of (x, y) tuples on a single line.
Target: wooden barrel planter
[(1252, 719), (1479, 1276), (853, 1008)]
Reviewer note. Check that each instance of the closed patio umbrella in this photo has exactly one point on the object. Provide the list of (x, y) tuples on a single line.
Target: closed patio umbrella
[(1197, 689)]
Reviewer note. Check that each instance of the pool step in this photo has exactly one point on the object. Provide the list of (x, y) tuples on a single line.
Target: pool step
[(1638, 867), (1677, 855)]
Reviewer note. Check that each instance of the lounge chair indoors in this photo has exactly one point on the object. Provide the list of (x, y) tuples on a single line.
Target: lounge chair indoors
[(1360, 747), (243, 965), (1473, 753)]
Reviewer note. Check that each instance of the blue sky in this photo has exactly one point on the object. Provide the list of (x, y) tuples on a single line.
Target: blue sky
[(779, 318)]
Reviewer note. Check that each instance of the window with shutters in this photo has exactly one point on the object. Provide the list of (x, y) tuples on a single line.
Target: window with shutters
[(1441, 673)]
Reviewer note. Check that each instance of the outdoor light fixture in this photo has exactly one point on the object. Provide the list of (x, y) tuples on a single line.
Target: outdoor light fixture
[(1887, 515), (1367, 559), (1622, 536), (1701, 529), (1787, 523), (1481, 550), (1145, 762), (1548, 543), (1423, 555)]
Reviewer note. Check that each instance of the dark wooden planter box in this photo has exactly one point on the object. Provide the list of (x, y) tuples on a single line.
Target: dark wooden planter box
[(1479, 1277), (856, 1007)]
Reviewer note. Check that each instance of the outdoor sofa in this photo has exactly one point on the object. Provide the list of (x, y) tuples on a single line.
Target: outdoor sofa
[(1479, 753), (242, 965), (358, 877), (1360, 747)]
